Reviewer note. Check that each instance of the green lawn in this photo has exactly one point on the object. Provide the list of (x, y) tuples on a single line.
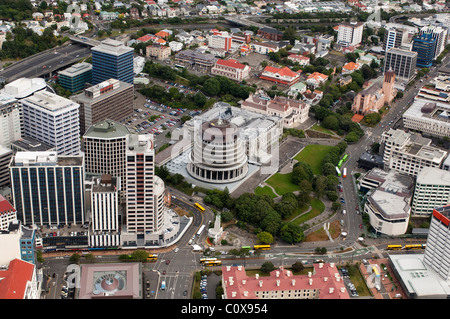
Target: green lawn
[(282, 183), (321, 129), (314, 155), (317, 207), (266, 190)]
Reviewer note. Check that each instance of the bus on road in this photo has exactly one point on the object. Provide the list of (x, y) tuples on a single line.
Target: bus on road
[(210, 263), (199, 207), (163, 285), (261, 247), (394, 247)]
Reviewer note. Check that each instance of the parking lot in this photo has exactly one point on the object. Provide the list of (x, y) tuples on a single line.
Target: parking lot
[(150, 117)]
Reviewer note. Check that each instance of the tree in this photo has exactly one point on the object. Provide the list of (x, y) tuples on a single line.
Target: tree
[(211, 87), (297, 266), (331, 122), (265, 237), (200, 99), (267, 267), (291, 233)]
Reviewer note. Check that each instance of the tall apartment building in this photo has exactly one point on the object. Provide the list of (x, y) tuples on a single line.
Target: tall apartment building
[(425, 46), (54, 120), (432, 190), (428, 117), (409, 153), (112, 59), (157, 51), (438, 33), (11, 123), (110, 99), (145, 205), (75, 77), (350, 34), (437, 252), (48, 189), (105, 146), (402, 62)]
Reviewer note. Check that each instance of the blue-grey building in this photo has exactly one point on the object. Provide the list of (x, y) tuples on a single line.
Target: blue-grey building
[(425, 46), (75, 77), (112, 59), (48, 189)]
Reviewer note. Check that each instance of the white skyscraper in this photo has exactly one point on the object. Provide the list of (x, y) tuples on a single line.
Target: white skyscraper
[(10, 120), (54, 120), (350, 34)]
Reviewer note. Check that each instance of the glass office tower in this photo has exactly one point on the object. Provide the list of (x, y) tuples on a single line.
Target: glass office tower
[(48, 189), (424, 45), (112, 60)]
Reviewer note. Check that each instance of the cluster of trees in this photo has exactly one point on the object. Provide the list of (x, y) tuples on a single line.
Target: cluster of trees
[(260, 212), (15, 10), (174, 98), (176, 180), (25, 43)]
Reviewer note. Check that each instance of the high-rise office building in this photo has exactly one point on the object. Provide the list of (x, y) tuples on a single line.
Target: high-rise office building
[(110, 99), (54, 120), (394, 38), (402, 62), (75, 77), (5, 158), (437, 252), (105, 146), (48, 189), (425, 46), (438, 33), (112, 59)]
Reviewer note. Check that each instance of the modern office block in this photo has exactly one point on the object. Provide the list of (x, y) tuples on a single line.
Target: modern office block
[(11, 123), (105, 146), (425, 46), (112, 59), (432, 190), (48, 189), (409, 153), (440, 34), (111, 99), (5, 158), (105, 204), (402, 62), (428, 117), (75, 77), (54, 120), (394, 38)]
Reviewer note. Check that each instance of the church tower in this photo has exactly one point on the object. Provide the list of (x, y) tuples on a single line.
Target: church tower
[(388, 86)]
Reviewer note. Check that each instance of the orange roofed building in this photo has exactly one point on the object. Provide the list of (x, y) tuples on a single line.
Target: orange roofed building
[(284, 76), (324, 282), (19, 281), (231, 69)]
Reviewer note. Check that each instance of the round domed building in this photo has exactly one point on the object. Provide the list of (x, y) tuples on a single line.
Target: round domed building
[(218, 154)]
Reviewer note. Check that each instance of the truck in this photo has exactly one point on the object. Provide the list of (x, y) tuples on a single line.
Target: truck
[(163, 285)]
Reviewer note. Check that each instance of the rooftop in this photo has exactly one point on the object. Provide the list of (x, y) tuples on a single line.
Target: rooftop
[(107, 129), (76, 69), (434, 176), (113, 47)]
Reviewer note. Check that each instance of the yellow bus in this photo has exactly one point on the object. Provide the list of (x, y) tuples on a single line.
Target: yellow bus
[(212, 263), (199, 207), (206, 259), (416, 246), (152, 257), (394, 247), (261, 247)]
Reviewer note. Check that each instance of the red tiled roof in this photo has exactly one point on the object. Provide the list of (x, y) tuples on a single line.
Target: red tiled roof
[(14, 280), (231, 63), (5, 206), (284, 71), (325, 279)]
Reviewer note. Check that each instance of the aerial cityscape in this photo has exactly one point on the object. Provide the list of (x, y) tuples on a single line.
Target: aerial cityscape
[(224, 150)]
